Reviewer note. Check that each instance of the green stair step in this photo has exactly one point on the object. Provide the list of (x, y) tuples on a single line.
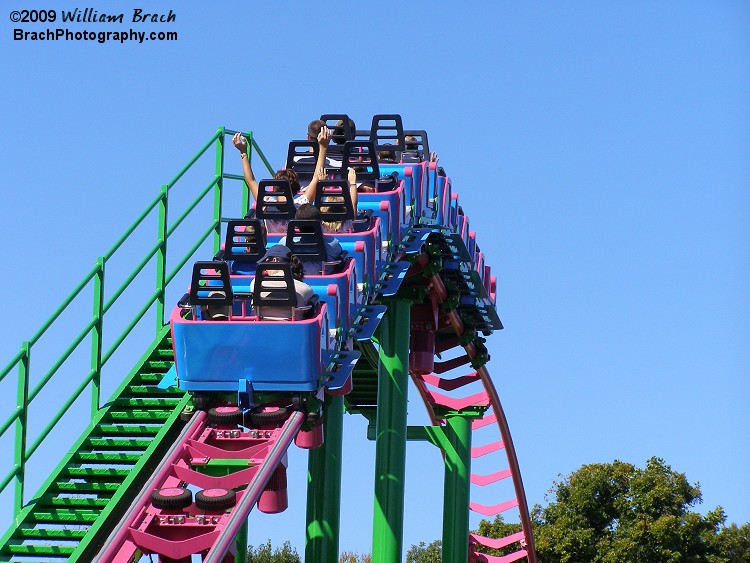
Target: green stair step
[(78, 501), (139, 402), (96, 473), (152, 391), (154, 415), (64, 516), (46, 533), (158, 365), (71, 502), (368, 377), (148, 377), (84, 488), (163, 353), (111, 458), (117, 443), (140, 430), (40, 550)]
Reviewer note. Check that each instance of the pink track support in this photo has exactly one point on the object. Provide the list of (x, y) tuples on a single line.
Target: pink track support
[(496, 543), (494, 416), (483, 480), (515, 556), (179, 533)]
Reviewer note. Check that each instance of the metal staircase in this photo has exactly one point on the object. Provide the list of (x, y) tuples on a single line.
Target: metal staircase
[(111, 460)]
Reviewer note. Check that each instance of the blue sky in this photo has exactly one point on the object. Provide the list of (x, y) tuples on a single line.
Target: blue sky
[(600, 149)]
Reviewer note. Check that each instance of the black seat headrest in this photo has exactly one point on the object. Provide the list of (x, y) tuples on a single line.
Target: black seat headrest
[(387, 132), (341, 125), (362, 156), (304, 237), (210, 284), (415, 143), (275, 200), (333, 199), (274, 290), (245, 240), (302, 159)]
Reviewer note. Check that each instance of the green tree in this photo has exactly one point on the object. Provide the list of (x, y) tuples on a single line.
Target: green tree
[(733, 543), (610, 513), (266, 553), (423, 553), (353, 557)]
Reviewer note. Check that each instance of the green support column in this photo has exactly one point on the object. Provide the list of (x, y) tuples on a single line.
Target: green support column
[(457, 446), (390, 433), (241, 555), (324, 488)]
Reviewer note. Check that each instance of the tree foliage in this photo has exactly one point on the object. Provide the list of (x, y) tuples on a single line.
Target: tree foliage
[(266, 553), (352, 557), (609, 513), (734, 544), (425, 553)]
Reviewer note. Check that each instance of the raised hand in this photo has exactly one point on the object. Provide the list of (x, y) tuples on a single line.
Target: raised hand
[(324, 137), (240, 142)]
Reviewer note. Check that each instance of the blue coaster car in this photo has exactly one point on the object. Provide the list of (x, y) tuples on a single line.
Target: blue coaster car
[(222, 342)]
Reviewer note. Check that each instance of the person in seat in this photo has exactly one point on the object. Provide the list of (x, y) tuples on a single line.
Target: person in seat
[(342, 226), (314, 128), (282, 254), (216, 312), (300, 196), (333, 246)]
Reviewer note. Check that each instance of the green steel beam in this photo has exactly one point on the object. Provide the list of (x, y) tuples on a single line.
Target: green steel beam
[(324, 488), (456, 489), (390, 429), (241, 555)]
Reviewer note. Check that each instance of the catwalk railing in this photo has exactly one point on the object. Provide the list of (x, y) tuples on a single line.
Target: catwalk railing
[(92, 329)]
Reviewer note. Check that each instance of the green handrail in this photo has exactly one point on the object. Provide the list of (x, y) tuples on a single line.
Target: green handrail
[(94, 327)]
